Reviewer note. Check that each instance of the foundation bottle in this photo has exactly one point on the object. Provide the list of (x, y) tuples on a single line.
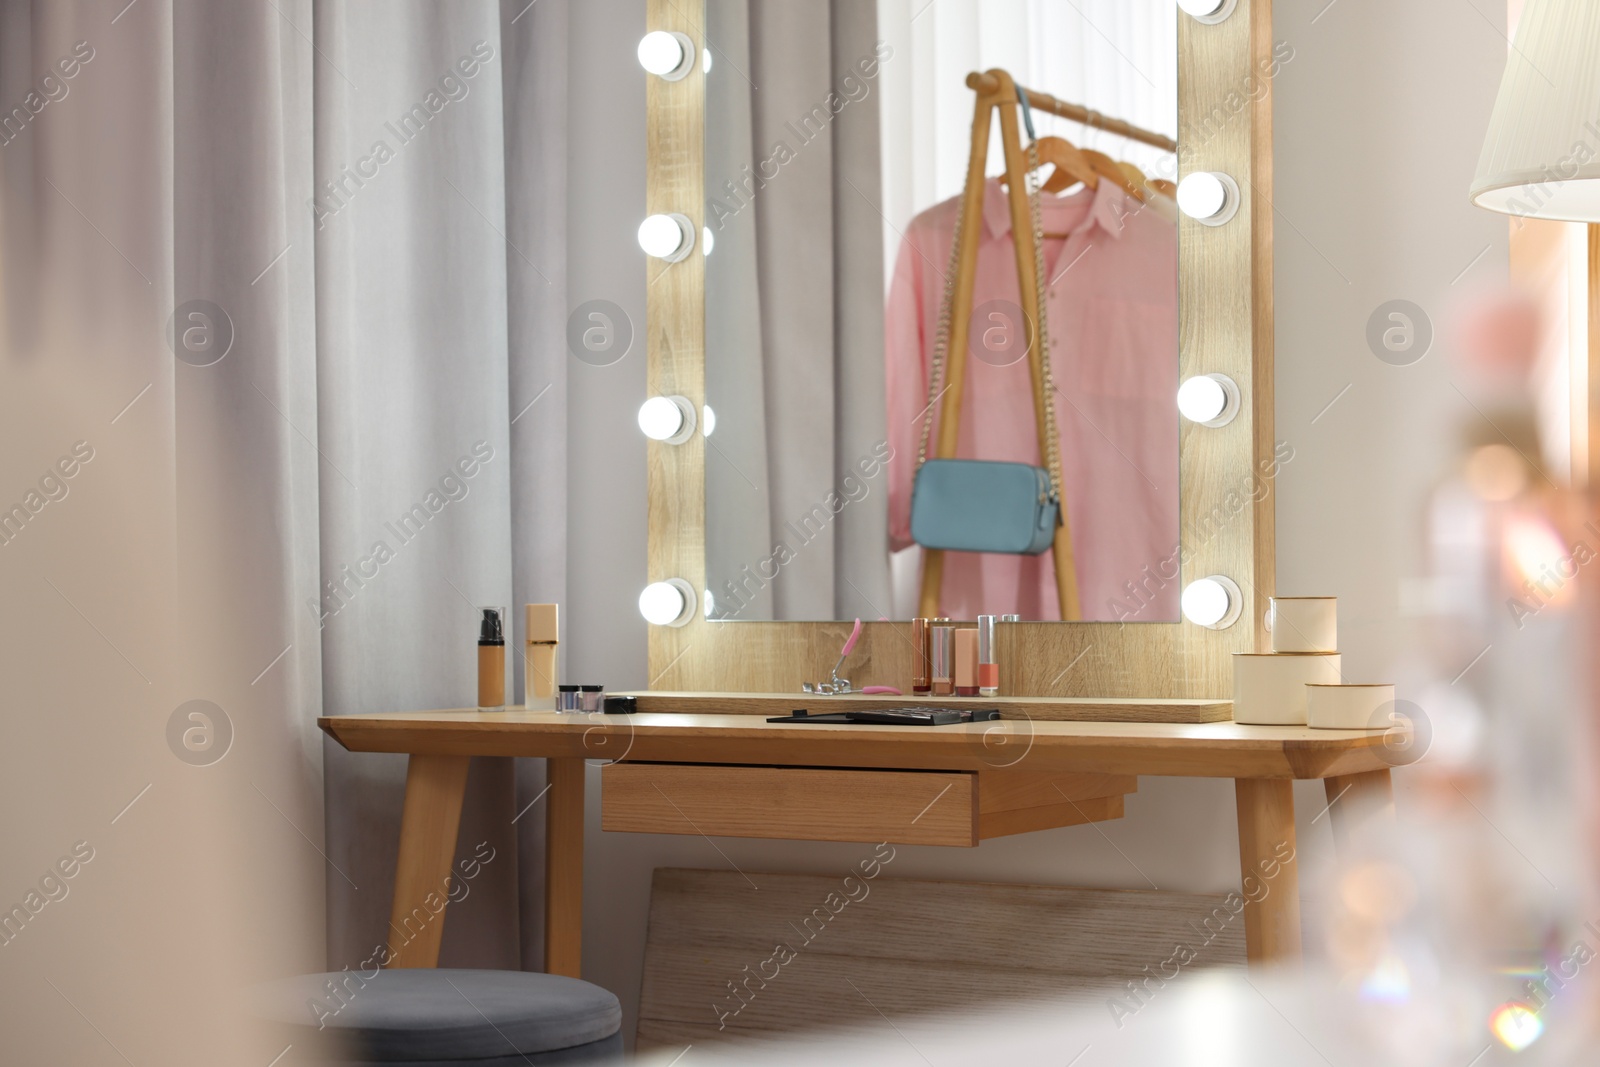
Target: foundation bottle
[(492, 661), (540, 645)]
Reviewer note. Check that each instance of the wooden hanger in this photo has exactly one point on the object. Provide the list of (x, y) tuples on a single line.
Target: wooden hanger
[(1070, 165), (1126, 175), (1109, 168), (1134, 174), (1160, 185)]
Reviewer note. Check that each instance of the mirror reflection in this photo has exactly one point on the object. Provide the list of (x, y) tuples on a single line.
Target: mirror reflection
[(883, 438)]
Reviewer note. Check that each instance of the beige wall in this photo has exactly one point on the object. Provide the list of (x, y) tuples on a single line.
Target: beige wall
[(1380, 117)]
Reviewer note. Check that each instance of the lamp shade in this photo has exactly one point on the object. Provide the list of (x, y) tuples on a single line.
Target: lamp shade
[(1541, 156)]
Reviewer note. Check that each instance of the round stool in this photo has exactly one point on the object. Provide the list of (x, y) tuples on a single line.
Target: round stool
[(426, 1017)]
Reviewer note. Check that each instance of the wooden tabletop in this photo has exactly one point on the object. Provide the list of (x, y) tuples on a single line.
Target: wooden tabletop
[(1205, 750)]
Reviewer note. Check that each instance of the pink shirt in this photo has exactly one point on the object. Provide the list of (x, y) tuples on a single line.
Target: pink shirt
[(1113, 328)]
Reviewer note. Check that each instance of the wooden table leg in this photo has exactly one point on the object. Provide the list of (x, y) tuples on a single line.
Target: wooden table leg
[(429, 822), (1356, 799), (1269, 869), (563, 868)]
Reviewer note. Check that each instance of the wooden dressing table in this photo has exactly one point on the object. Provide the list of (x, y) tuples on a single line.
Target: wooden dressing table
[(1050, 762), (708, 762)]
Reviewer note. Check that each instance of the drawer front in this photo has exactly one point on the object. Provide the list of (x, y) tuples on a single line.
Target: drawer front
[(793, 803)]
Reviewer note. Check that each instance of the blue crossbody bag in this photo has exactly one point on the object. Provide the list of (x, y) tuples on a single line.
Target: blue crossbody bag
[(971, 505)]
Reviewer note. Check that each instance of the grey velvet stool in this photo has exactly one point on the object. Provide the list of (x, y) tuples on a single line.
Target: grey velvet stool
[(433, 1018)]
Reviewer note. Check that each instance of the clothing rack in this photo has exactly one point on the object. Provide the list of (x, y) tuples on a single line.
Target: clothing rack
[(987, 85), (996, 90)]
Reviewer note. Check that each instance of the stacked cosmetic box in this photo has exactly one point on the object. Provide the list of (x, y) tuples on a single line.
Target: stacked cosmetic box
[(1300, 682)]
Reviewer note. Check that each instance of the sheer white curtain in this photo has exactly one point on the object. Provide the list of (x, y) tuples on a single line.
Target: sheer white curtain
[(1119, 57), (441, 381)]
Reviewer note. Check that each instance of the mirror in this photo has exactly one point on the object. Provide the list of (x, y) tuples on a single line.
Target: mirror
[(838, 139)]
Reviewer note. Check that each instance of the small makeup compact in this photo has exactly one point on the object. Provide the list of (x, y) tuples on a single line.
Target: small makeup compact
[(580, 699)]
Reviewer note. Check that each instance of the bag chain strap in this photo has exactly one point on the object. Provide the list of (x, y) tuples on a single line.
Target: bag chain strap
[(1052, 443), (942, 337), (941, 342)]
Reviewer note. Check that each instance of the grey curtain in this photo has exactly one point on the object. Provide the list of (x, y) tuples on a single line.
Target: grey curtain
[(364, 203), (439, 182), (794, 312)]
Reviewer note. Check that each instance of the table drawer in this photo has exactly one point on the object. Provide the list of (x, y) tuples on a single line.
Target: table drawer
[(793, 803)]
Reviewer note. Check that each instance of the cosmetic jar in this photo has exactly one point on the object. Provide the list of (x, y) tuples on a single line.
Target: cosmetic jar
[(1269, 688), (1304, 623), (1350, 706), (569, 699), (592, 699)]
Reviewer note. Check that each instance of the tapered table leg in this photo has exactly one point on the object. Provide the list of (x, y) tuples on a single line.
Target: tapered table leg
[(1269, 871), (1354, 800), (429, 823), (563, 868)]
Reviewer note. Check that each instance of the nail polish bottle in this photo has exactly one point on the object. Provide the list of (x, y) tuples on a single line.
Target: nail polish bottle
[(492, 660)]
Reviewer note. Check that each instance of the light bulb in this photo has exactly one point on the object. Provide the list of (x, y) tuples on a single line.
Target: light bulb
[(667, 418), (668, 237), (1209, 11), (659, 418), (1201, 195), (706, 240), (705, 61), (666, 54), (1213, 602), (711, 603), (1208, 196), (708, 420), (668, 603), (1209, 399)]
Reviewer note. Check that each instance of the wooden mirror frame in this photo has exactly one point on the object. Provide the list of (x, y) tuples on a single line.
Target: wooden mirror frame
[(1225, 326)]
